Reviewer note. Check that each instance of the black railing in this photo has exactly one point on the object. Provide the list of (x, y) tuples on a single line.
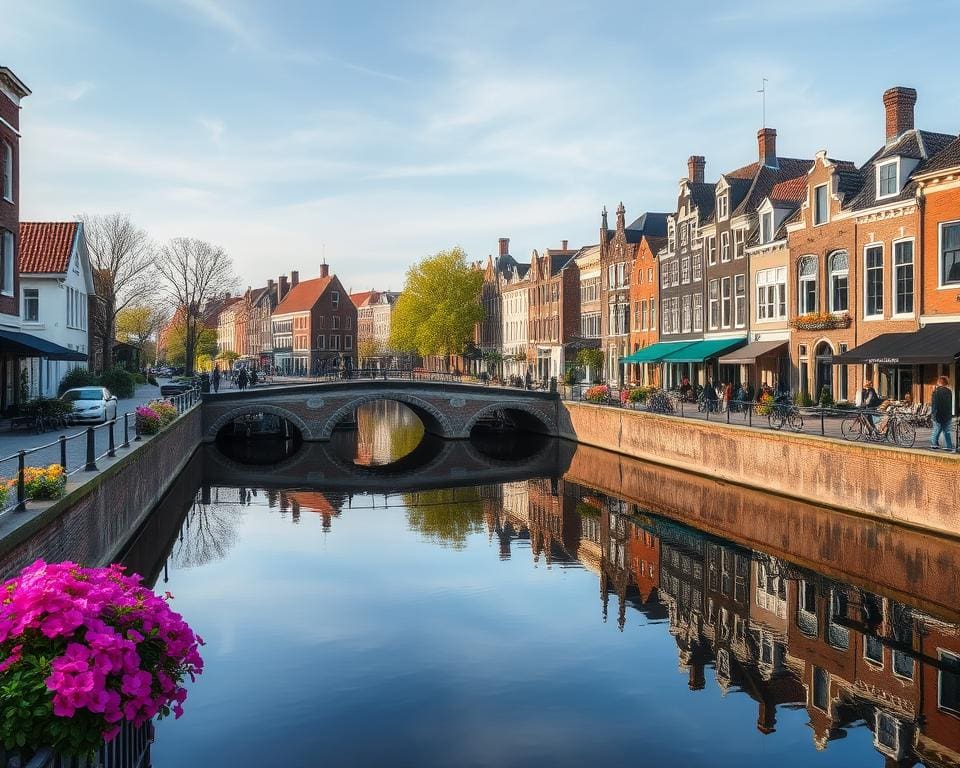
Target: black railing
[(401, 374), (117, 430), (130, 749)]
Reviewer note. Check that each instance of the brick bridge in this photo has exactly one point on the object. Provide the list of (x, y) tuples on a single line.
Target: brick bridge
[(448, 410)]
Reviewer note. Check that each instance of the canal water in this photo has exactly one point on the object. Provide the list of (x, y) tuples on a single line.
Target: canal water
[(607, 613)]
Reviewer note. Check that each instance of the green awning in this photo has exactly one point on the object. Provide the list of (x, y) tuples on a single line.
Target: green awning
[(655, 352), (704, 350)]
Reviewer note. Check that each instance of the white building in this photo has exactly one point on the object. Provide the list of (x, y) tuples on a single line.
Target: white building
[(56, 283), (515, 317)]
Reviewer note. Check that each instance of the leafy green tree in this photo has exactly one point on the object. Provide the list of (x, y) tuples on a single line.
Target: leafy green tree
[(446, 516), (176, 350), (439, 307)]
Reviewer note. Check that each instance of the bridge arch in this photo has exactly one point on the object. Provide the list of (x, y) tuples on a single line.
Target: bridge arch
[(250, 408), (536, 419), (434, 420)]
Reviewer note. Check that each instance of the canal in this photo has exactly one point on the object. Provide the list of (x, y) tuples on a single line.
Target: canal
[(601, 611)]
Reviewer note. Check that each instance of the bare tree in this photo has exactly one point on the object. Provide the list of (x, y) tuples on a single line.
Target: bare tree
[(196, 276), (122, 256)]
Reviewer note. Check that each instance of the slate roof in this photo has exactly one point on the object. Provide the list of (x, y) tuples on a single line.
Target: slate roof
[(45, 246), (949, 157), (650, 223), (704, 196), (768, 178), (917, 144), (303, 295)]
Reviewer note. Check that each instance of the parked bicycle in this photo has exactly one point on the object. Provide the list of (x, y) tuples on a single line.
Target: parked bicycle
[(783, 412), (895, 427)]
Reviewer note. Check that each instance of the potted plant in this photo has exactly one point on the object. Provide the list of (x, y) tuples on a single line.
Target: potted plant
[(147, 420)]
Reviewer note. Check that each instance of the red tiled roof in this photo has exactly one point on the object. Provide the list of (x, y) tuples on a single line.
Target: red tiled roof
[(303, 295), (791, 190), (359, 299), (45, 247)]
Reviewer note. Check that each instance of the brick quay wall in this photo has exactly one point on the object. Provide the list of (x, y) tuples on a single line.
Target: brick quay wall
[(908, 487), (99, 514)]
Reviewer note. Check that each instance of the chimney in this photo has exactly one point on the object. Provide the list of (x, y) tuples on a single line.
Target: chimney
[(504, 246), (270, 285), (767, 146), (294, 278), (898, 104), (695, 166), (324, 270), (565, 244), (283, 288)]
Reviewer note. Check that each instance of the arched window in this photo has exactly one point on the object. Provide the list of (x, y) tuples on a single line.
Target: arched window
[(807, 282), (839, 275)]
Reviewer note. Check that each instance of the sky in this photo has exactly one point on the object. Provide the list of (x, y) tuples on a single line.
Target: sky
[(373, 134)]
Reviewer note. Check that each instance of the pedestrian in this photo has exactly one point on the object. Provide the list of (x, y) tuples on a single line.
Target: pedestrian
[(253, 377), (869, 400), (727, 395), (216, 378), (242, 379), (941, 407)]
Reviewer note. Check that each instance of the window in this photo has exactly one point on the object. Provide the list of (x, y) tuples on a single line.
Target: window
[(622, 273), (642, 314), (820, 210), (670, 237), (685, 270), (740, 300), (698, 311), (697, 267), (31, 305), (712, 251), (724, 246), (738, 240), (725, 302), (950, 253), (723, 201), (349, 324), (821, 688), (807, 280), (334, 342), (839, 276), (873, 280), (336, 322), (675, 315), (902, 665), (687, 317), (766, 227), (714, 296), (903, 277), (772, 294), (348, 342), (335, 298), (886, 733), (321, 342), (649, 274), (683, 234), (948, 682), (675, 273), (665, 276), (7, 258), (653, 313), (666, 316), (873, 649), (7, 172), (887, 184)]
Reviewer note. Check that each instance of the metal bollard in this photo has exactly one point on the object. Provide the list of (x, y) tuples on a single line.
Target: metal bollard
[(750, 413), (63, 452), (823, 429), (126, 431), (91, 451), (112, 450), (728, 411), (21, 487)]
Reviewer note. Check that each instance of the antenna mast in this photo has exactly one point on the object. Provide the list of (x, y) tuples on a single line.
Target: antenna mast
[(763, 101)]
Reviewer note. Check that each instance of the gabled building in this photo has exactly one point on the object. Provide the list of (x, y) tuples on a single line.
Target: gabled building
[(553, 310), (645, 328), (56, 283), (314, 326), (231, 327), (587, 261), (514, 317), (260, 303)]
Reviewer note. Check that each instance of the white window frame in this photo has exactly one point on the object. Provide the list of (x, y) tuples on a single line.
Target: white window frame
[(834, 274), (686, 314), (896, 179), (713, 299), (335, 299), (766, 227), (866, 275), (7, 171), (724, 247), (941, 652), (36, 299), (723, 205), (698, 312), (941, 285), (802, 309), (740, 298), (872, 662), (685, 269), (726, 302), (893, 276), (813, 205), (697, 264), (739, 243), (712, 250)]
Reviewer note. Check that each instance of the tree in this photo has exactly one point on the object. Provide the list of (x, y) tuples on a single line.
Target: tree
[(138, 325), (439, 307), (175, 352), (447, 516), (368, 349), (122, 257), (196, 276)]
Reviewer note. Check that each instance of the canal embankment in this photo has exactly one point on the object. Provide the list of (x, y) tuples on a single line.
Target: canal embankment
[(907, 487), (99, 512)]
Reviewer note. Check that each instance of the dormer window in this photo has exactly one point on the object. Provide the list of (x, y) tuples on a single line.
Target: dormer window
[(766, 227), (820, 209), (888, 182), (723, 201)]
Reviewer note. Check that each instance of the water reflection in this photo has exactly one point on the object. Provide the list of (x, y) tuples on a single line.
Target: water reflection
[(386, 431)]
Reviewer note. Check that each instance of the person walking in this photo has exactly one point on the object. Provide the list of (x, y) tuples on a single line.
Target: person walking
[(216, 378), (941, 406), (242, 379)]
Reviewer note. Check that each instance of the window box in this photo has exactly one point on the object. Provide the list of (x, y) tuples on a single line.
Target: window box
[(820, 321)]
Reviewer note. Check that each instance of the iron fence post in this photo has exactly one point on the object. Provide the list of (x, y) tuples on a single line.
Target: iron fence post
[(112, 449), (750, 413), (823, 429), (728, 411), (21, 487), (91, 451), (126, 431), (63, 452)]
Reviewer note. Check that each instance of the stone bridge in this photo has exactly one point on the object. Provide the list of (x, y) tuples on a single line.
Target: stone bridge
[(448, 410)]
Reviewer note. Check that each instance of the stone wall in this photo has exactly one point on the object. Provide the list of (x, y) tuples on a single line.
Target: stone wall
[(915, 488), (96, 518)]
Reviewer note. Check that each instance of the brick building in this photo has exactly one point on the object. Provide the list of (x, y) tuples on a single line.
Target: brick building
[(314, 326), (553, 310), (645, 328), (513, 318), (589, 336), (260, 303)]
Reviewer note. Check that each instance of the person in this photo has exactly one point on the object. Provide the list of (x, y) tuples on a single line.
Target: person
[(253, 377), (216, 378), (528, 380), (727, 395), (685, 388), (710, 395), (242, 379), (869, 400), (941, 407)]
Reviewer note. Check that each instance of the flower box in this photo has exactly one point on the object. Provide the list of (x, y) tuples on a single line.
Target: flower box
[(820, 321)]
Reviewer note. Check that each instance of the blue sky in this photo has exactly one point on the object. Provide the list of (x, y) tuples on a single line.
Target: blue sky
[(380, 132)]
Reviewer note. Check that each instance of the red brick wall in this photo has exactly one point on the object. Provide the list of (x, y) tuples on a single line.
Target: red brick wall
[(940, 205), (10, 213)]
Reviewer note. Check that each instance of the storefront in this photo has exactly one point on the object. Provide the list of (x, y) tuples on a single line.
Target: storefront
[(650, 357), (15, 348), (758, 363), (698, 361)]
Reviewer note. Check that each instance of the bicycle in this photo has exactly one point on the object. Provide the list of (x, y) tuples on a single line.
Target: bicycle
[(785, 413), (899, 430)]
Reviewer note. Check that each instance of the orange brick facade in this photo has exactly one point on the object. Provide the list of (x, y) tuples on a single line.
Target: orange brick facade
[(645, 316)]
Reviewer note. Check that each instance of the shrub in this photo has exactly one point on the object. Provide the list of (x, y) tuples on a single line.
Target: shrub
[(826, 397), (77, 377), (44, 482), (119, 381), (598, 394), (803, 399), (139, 378), (638, 395), (46, 406), (83, 650), (152, 381), (147, 421), (571, 376), (765, 404), (166, 410)]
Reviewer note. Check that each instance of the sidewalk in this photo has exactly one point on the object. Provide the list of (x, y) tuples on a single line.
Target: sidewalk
[(11, 442)]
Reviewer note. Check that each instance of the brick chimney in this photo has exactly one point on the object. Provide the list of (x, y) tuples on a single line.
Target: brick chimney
[(898, 104), (695, 166), (324, 270), (504, 246), (767, 146), (565, 244), (294, 278), (283, 288)]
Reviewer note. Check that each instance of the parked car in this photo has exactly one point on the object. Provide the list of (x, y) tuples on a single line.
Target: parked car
[(176, 388), (91, 404)]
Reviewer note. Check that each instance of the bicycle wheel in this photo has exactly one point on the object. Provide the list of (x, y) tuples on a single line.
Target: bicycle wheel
[(777, 418), (852, 428), (795, 420), (904, 433)]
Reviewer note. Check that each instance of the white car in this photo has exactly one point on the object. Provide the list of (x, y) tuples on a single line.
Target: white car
[(91, 404)]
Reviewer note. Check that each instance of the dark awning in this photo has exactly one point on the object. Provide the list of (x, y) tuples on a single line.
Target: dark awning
[(934, 343), (25, 345), (748, 355)]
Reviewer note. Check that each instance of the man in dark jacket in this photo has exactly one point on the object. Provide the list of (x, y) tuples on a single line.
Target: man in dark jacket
[(941, 406)]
